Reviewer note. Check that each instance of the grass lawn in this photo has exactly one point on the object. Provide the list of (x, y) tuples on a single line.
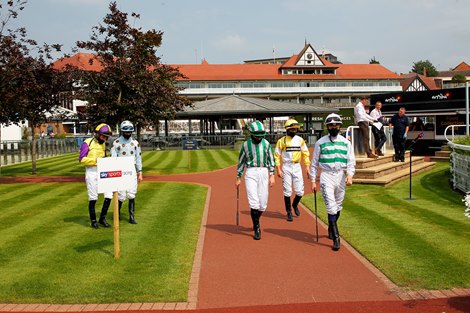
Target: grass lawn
[(50, 254), (154, 163), (420, 244)]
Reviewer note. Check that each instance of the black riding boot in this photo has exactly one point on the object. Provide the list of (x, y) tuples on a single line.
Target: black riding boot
[(335, 232), (131, 211), (253, 217), (295, 204), (288, 208), (330, 232), (257, 235), (104, 211), (92, 213), (331, 220), (119, 206)]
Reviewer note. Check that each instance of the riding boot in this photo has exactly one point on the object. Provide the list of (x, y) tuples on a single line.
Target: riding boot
[(104, 211), (131, 211), (330, 231), (288, 208), (92, 213), (331, 220), (336, 243), (119, 205), (253, 217), (295, 204), (257, 235)]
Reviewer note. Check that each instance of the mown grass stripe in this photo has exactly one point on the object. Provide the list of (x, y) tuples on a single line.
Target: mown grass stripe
[(25, 214), (155, 160), (230, 158), (57, 243), (409, 246)]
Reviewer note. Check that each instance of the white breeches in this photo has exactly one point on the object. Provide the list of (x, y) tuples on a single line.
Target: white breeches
[(131, 192), (91, 179), (257, 187), (333, 189), (292, 177)]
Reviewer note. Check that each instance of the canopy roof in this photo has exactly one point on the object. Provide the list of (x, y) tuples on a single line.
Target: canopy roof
[(237, 107)]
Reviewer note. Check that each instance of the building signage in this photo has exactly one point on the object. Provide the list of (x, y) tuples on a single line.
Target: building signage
[(190, 144)]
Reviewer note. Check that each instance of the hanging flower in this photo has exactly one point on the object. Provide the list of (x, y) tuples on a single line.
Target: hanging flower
[(466, 200)]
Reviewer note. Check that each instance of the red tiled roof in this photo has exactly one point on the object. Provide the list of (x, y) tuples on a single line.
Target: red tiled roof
[(240, 72), (235, 72), (80, 60), (429, 82), (462, 67)]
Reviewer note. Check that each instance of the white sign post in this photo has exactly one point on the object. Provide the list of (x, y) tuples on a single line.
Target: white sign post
[(115, 174)]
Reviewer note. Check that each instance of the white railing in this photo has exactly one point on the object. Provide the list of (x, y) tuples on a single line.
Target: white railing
[(460, 167), (350, 135), (452, 128)]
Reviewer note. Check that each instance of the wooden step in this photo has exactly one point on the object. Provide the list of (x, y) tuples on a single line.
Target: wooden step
[(386, 168), (442, 153), (396, 176), (439, 158), (363, 162)]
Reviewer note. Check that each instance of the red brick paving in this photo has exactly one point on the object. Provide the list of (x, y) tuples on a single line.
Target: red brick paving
[(287, 271)]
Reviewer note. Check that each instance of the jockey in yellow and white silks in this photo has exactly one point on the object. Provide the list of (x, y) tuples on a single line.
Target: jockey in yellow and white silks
[(289, 152)]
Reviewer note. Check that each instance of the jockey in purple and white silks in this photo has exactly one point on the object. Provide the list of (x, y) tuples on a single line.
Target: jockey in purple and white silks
[(90, 150)]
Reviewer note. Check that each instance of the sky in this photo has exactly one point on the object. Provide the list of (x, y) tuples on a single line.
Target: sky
[(397, 33)]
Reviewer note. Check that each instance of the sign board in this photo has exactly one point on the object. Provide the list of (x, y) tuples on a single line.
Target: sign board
[(115, 174), (190, 144)]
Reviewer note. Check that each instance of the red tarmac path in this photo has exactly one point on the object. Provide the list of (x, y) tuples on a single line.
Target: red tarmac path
[(286, 271)]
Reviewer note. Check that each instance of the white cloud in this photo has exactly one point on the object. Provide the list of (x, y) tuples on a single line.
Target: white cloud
[(231, 42), (80, 2)]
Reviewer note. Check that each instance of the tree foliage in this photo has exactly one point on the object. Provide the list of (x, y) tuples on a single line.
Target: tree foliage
[(133, 84), (459, 78), (29, 86), (373, 61), (418, 67)]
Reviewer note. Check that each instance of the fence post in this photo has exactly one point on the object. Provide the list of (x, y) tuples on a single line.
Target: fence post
[(20, 146), (5, 154)]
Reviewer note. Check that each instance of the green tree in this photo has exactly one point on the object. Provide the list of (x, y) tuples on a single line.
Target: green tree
[(459, 79), (133, 84), (418, 67), (29, 86), (373, 61)]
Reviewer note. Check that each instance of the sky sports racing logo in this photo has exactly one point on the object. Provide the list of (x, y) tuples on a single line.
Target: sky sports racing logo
[(111, 174)]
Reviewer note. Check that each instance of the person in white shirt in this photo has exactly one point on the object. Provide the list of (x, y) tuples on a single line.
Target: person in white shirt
[(334, 155), (378, 129), (362, 120)]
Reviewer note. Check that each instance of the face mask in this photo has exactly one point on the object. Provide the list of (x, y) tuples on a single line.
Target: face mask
[(127, 136), (291, 133), (256, 140), (333, 132), (100, 141)]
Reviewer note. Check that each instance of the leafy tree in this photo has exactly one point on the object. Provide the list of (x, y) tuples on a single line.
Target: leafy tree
[(373, 61), (418, 67), (133, 84), (459, 78), (29, 87)]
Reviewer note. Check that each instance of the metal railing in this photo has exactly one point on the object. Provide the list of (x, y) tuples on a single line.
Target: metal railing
[(460, 166), (452, 128), (12, 152), (222, 141)]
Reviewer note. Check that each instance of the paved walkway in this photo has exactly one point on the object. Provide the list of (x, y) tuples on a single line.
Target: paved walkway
[(286, 271)]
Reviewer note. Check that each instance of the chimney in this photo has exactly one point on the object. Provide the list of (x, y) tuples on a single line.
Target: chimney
[(424, 72)]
